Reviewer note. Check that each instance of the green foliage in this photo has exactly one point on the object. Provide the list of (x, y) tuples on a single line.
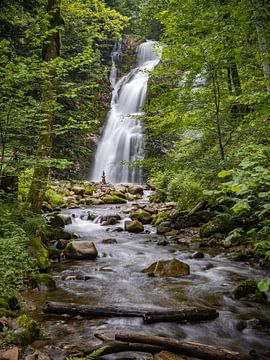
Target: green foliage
[(15, 260), (53, 198)]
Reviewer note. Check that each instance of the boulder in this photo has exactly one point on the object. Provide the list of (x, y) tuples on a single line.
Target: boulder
[(80, 250), (108, 217), (113, 199), (171, 267), (121, 188), (164, 228), (60, 220), (44, 281), (78, 190), (135, 189), (10, 354), (141, 215), (134, 226), (248, 290), (211, 228)]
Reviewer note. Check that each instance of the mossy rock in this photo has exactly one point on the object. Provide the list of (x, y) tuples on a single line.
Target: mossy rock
[(28, 330), (248, 290), (143, 216), (55, 234), (44, 280), (89, 190), (113, 200), (39, 251), (161, 217), (54, 254), (119, 194), (54, 199), (211, 228)]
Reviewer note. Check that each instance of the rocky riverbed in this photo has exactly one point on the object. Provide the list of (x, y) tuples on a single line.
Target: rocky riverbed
[(143, 255)]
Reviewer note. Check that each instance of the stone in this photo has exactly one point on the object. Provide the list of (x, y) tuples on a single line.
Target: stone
[(130, 197), (121, 188), (211, 228), (38, 355), (81, 250), (248, 290), (44, 281), (173, 267), (60, 220), (134, 226), (135, 189), (10, 354), (166, 355), (78, 190), (150, 209), (164, 228), (198, 255), (27, 330), (141, 215), (113, 199), (109, 241)]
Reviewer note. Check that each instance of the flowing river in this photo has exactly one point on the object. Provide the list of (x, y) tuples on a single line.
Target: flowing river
[(116, 278)]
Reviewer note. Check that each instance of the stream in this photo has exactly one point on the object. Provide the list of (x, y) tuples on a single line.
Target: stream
[(115, 278)]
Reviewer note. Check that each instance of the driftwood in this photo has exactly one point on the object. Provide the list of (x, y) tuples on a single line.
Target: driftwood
[(196, 350), (163, 315), (185, 315), (112, 347)]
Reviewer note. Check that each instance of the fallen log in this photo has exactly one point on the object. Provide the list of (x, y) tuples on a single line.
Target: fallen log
[(159, 315), (88, 310), (196, 350), (185, 315), (111, 347)]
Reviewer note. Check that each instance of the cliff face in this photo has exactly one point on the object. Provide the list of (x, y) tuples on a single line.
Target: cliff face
[(127, 59)]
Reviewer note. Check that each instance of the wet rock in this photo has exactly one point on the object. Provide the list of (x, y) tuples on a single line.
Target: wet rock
[(44, 281), (130, 197), (135, 189), (134, 226), (166, 355), (163, 242), (198, 255), (111, 221), (61, 244), (150, 209), (208, 266), (171, 267), (113, 199), (248, 290), (10, 354), (109, 241), (164, 228), (80, 250), (118, 229), (172, 233), (59, 220), (141, 215), (108, 217)]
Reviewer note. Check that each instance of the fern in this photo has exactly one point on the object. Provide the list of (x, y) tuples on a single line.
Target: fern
[(94, 355)]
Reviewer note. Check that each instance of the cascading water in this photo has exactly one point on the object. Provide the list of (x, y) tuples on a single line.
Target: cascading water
[(122, 140)]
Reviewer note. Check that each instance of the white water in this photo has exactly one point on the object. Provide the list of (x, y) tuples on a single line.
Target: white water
[(122, 140)]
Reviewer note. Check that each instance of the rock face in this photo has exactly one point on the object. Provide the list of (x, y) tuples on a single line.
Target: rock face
[(80, 250), (134, 226), (171, 267)]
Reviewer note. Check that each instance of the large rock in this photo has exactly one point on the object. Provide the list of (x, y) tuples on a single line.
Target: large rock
[(60, 220), (135, 189), (141, 215), (80, 250), (248, 290), (134, 226), (164, 228), (10, 354), (171, 267)]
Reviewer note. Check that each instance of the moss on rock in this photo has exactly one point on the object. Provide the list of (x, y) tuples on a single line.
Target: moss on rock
[(28, 330), (39, 251), (54, 199), (143, 216), (248, 290), (44, 280), (211, 228), (161, 217), (113, 200)]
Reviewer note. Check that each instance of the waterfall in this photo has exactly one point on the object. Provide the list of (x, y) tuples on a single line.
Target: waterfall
[(122, 140)]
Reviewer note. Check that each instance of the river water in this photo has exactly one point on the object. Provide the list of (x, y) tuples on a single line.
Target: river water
[(116, 278)]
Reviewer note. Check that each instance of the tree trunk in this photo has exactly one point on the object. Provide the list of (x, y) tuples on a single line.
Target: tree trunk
[(163, 315), (50, 50), (262, 28), (186, 315), (196, 350)]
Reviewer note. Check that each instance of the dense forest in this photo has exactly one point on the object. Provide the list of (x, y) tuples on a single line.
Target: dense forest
[(206, 117)]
